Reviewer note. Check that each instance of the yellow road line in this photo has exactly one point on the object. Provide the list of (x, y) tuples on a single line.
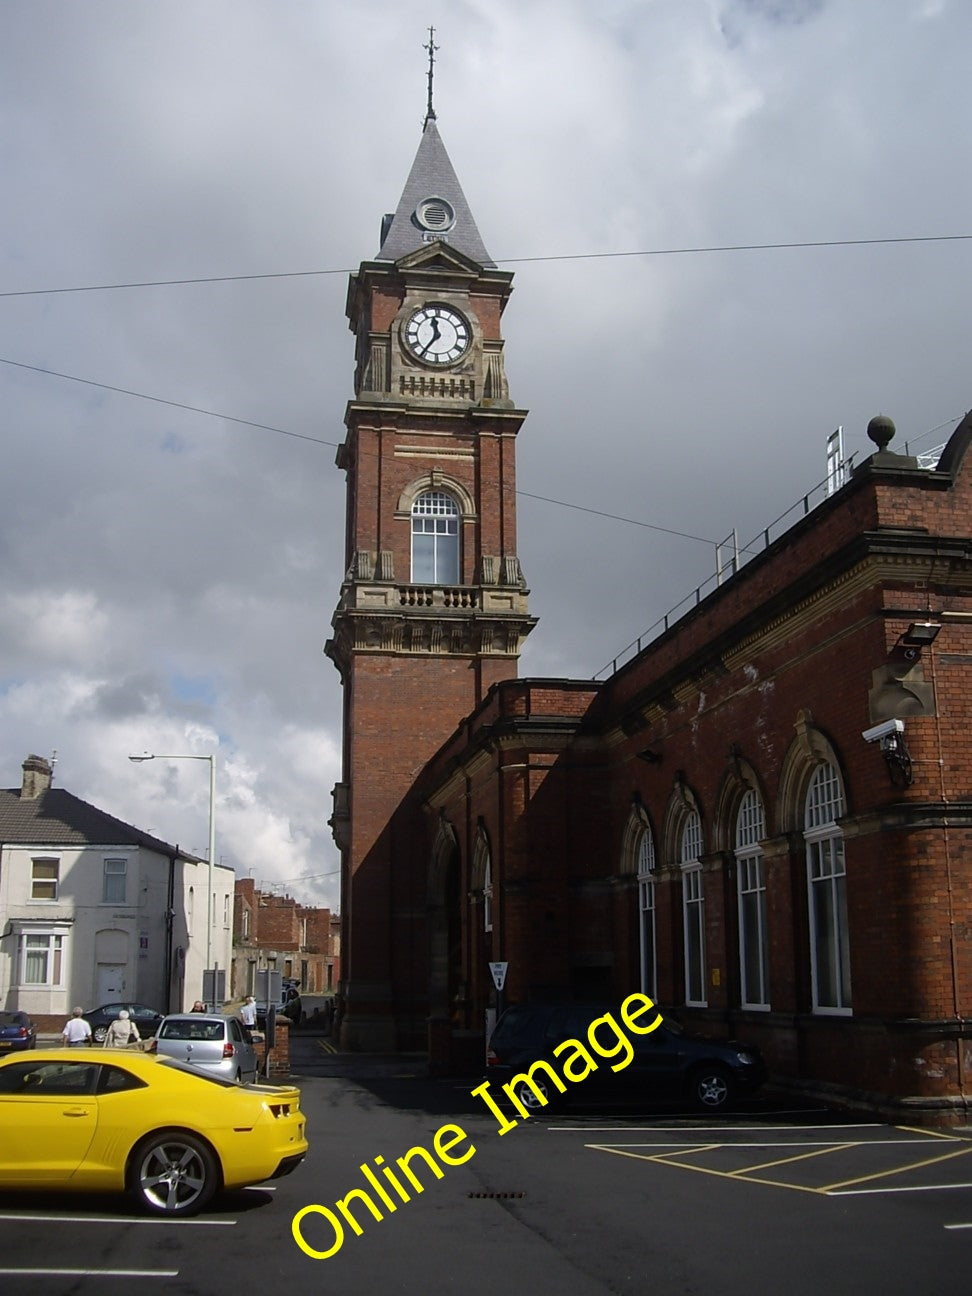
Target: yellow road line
[(931, 1133), (803, 1156), (883, 1174), (675, 1165), (686, 1150)]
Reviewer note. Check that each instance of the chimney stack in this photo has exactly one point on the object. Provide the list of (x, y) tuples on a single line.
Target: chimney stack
[(37, 777)]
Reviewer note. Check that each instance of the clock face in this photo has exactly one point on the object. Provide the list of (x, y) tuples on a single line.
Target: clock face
[(437, 335)]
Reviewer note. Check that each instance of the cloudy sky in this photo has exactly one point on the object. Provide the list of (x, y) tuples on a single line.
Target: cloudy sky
[(170, 568)]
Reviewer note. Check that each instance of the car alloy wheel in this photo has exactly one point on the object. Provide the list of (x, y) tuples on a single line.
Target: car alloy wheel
[(711, 1088), (100, 1033), (173, 1173), (527, 1096)]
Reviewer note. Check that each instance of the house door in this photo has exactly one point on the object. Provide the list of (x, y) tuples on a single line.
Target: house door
[(111, 982)]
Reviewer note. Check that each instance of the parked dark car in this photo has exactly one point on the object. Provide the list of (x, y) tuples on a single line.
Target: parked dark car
[(17, 1031), (146, 1020), (667, 1064)]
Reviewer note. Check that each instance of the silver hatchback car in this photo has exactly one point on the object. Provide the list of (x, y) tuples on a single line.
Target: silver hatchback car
[(220, 1045)]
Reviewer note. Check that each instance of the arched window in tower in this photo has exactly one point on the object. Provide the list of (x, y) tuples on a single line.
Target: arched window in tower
[(827, 884), (435, 539), (693, 910), (750, 831), (646, 909)]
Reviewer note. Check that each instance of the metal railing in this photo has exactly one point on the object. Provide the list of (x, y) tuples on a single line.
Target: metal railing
[(762, 541)]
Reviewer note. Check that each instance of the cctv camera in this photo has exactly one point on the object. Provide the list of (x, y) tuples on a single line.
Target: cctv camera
[(883, 731)]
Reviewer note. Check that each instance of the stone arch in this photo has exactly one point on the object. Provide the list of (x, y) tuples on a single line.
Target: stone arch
[(740, 777), (436, 480), (681, 803), (810, 747), (638, 823)]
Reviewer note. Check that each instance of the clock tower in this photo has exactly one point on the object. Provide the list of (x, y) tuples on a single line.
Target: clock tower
[(433, 607)]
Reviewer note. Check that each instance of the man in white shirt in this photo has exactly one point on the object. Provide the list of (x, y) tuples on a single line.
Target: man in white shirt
[(248, 1012), (76, 1031)]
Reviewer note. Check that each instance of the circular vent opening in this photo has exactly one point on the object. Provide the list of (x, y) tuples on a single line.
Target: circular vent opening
[(435, 214)]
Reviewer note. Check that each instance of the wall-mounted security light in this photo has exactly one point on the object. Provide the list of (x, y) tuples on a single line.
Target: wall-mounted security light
[(890, 735), (921, 633)]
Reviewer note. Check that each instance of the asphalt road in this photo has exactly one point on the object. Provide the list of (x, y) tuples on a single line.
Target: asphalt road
[(585, 1204)]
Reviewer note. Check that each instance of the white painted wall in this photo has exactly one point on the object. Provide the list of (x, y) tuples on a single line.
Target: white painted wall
[(108, 942)]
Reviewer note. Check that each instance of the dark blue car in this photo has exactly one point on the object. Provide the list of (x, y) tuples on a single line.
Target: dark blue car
[(17, 1031)]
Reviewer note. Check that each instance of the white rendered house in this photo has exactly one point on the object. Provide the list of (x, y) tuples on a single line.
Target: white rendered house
[(93, 910)]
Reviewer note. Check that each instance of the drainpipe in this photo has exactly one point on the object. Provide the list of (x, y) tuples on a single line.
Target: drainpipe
[(167, 952)]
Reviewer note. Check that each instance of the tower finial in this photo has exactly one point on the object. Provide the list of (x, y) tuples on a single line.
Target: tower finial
[(431, 47)]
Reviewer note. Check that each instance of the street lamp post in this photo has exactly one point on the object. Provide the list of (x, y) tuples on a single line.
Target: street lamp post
[(147, 756)]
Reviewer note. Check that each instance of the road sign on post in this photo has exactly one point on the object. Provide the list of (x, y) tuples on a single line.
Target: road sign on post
[(214, 988), (498, 973)]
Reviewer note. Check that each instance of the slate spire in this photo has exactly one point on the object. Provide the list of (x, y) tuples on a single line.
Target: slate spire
[(432, 207)]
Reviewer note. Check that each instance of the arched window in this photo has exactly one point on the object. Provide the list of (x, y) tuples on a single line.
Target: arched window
[(750, 831), (646, 909), (693, 910), (435, 539), (827, 887)]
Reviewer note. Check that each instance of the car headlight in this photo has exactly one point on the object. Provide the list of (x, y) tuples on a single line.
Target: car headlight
[(747, 1059)]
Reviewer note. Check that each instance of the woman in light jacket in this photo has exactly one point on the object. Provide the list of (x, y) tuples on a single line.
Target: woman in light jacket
[(122, 1031)]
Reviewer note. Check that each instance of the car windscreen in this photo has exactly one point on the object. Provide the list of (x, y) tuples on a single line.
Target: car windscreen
[(198, 1073), (187, 1029), (12, 1019)]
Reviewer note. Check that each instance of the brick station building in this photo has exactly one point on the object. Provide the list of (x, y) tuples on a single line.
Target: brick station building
[(763, 818)]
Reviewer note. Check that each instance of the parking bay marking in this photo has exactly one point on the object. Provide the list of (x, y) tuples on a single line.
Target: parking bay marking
[(89, 1273), (113, 1219), (673, 1154)]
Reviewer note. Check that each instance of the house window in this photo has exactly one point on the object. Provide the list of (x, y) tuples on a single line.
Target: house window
[(226, 910), (827, 887), (190, 907), (751, 886), (44, 878), (246, 923), (693, 911), (646, 910), (41, 959), (435, 539), (114, 881)]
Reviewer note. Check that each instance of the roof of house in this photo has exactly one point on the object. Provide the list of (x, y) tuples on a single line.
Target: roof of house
[(58, 818)]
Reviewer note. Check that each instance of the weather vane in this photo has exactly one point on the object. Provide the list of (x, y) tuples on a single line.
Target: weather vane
[(431, 47)]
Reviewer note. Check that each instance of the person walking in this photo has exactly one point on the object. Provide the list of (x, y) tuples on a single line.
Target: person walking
[(248, 1012), (122, 1032), (76, 1031)]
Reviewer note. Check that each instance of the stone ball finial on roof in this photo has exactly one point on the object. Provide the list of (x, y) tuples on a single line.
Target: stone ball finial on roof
[(881, 430)]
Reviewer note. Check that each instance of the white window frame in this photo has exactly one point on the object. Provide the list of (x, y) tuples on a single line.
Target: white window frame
[(436, 513), (51, 945), (648, 947), (693, 911), (827, 894), (751, 902), (45, 861), (114, 874)]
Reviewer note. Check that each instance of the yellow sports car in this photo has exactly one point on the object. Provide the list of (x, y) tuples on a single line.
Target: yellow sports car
[(106, 1120)]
